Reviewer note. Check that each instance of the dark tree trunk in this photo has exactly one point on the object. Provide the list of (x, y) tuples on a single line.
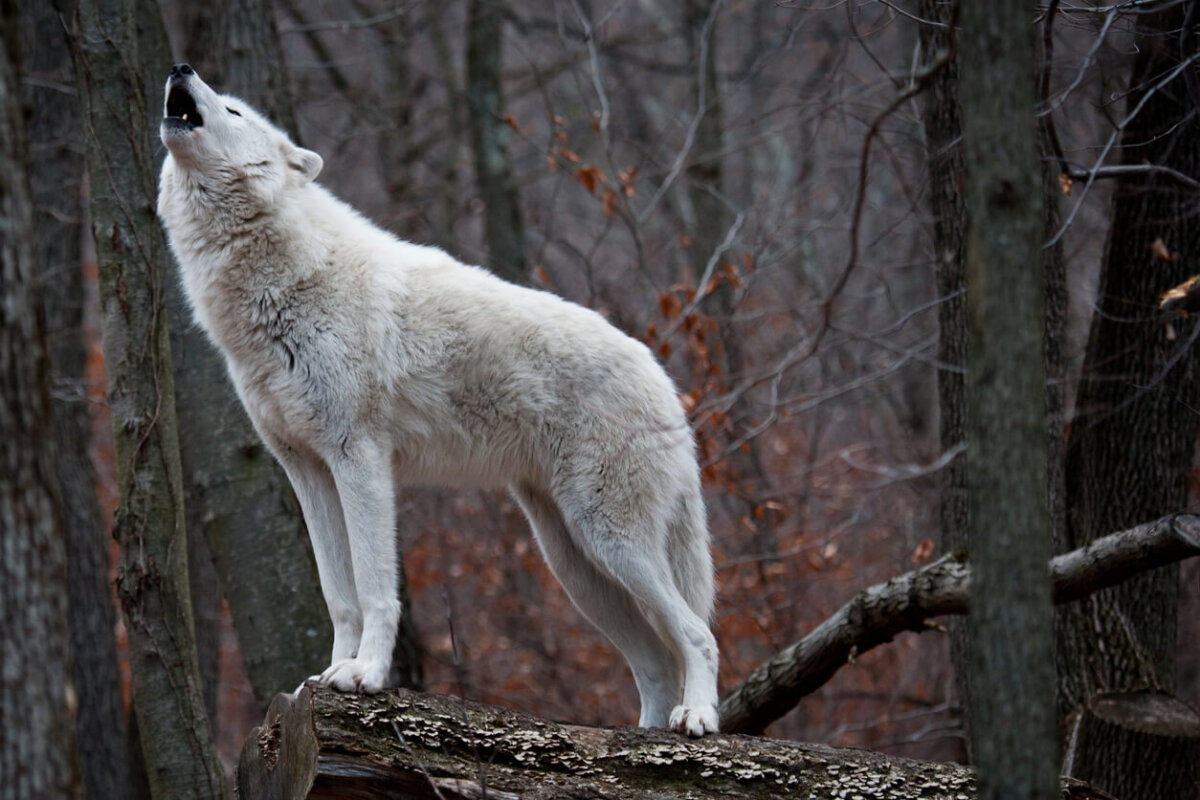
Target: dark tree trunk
[(37, 717), (234, 45), (203, 585), (504, 230), (448, 207), (175, 734), (1108, 738), (1010, 629), (944, 153), (1132, 442), (56, 157)]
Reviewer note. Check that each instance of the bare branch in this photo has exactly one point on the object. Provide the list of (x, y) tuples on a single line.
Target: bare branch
[(876, 615)]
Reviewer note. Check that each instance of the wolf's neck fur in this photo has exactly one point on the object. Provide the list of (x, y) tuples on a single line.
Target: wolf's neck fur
[(235, 260)]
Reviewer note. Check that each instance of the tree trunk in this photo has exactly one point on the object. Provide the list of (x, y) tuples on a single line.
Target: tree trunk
[(1011, 625), (234, 45), (401, 744), (1107, 738), (203, 585), (448, 207), (944, 154), (176, 739), (1131, 446), (57, 159), (504, 231), (37, 700)]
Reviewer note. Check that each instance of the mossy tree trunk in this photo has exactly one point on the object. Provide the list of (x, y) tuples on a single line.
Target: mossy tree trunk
[(152, 581)]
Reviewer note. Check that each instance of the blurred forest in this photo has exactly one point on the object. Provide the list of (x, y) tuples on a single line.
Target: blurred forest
[(761, 192)]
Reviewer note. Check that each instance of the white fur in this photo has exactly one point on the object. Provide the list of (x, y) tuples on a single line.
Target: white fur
[(364, 360)]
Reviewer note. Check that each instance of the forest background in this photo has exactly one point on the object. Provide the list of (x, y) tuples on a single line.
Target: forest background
[(766, 195)]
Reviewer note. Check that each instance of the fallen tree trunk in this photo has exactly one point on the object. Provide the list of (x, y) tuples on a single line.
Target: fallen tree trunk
[(876, 615), (403, 744)]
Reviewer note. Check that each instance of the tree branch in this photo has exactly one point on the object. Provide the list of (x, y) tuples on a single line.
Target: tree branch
[(876, 615)]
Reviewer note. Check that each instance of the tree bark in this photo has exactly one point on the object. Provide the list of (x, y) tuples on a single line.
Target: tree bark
[(910, 602), (944, 154), (406, 745), (234, 45), (177, 744), (504, 230), (1132, 442), (1107, 737), (1010, 629), (37, 699), (56, 157)]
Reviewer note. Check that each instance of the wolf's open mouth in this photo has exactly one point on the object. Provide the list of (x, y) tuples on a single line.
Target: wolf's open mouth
[(182, 106)]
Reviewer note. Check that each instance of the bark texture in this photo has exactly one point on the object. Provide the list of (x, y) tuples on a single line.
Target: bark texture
[(406, 745), (911, 601), (504, 230), (944, 153), (1108, 737), (1133, 438), (1010, 628), (152, 583), (37, 699), (234, 45), (1132, 442), (56, 157)]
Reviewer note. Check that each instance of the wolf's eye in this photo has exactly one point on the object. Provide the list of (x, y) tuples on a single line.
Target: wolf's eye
[(235, 112)]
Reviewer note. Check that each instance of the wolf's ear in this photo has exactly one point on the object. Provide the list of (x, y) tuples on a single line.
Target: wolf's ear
[(306, 163)]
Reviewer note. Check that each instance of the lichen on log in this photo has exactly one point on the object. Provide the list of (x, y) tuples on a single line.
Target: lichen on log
[(403, 744)]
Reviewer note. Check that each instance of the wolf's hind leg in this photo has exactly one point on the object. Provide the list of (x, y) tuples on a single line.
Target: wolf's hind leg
[(610, 607), (636, 557)]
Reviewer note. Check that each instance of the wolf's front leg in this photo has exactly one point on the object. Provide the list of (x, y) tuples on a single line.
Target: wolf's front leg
[(363, 476), (322, 509)]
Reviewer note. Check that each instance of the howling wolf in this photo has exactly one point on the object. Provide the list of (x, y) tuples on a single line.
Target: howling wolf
[(365, 361)]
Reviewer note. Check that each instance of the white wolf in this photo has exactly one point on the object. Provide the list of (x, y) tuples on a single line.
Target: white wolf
[(364, 360)]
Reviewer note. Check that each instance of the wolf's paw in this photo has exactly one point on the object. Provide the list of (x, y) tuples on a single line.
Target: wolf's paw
[(694, 722), (354, 675)]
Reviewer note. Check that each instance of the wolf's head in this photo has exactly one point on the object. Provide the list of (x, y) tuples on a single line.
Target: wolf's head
[(221, 138)]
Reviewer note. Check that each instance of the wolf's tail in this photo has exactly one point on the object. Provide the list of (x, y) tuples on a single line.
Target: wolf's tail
[(691, 559)]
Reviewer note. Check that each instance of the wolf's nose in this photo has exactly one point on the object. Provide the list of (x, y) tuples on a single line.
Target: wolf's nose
[(182, 70)]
